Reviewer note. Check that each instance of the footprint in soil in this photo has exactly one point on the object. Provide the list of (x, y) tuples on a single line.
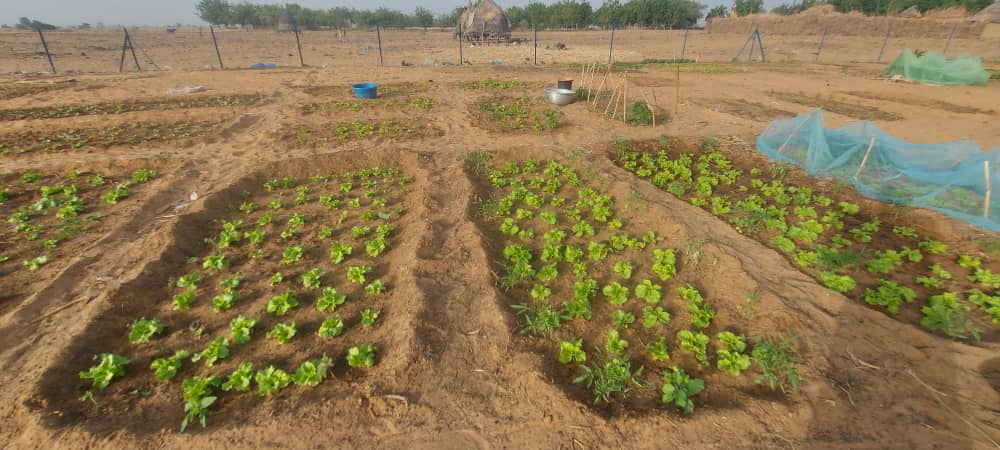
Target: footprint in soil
[(991, 372)]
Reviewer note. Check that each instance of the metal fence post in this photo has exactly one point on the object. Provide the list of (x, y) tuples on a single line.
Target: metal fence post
[(46, 48), (216, 45), (685, 45), (611, 48), (884, 42), (946, 44), (536, 44), (819, 48), (378, 34)]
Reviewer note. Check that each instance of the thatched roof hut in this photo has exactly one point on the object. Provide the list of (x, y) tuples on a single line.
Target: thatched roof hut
[(483, 21)]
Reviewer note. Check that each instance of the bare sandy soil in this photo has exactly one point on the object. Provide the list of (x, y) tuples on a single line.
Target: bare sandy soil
[(191, 48), (454, 374)]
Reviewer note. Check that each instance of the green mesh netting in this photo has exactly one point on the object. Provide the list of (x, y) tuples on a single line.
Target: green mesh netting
[(934, 68), (952, 177)]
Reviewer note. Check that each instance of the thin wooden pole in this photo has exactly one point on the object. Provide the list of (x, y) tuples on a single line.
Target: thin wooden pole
[(792, 134), (216, 45), (298, 44), (652, 112), (613, 100), (950, 35), (536, 45), (46, 48), (461, 58), (583, 74), (677, 96), (625, 98), (986, 202), (871, 145), (597, 93), (614, 112), (611, 48), (884, 42), (378, 34)]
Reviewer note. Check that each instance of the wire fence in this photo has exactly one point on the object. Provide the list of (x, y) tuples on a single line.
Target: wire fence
[(99, 51)]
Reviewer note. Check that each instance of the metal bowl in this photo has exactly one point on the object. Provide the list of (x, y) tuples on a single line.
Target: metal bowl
[(560, 96)]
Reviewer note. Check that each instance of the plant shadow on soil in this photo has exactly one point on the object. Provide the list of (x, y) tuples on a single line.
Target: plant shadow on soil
[(723, 392), (138, 404)]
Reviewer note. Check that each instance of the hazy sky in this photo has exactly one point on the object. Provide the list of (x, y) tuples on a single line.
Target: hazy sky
[(165, 12)]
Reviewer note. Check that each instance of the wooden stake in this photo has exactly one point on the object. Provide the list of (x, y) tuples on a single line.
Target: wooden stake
[(612, 100), (625, 98), (652, 112), (598, 93), (986, 175), (583, 71), (677, 94), (871, 144), (790, 136), (614, 112)]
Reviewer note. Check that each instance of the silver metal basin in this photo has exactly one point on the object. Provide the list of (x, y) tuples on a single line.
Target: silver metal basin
[(560, 96)]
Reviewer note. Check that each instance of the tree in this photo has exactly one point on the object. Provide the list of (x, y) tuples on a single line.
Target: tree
[(28, 24), (423, 17), (214, 12), (718, 11), (746, 7)]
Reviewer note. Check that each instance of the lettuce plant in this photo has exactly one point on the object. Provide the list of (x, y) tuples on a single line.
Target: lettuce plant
[(282, 332), (279, 305), (311, 373), (331, 327), (109, 367), (361, 356), (241, 329), (142, 330), (217, 350), (240, 379), (571, 351), (167, 368), (271, 380)]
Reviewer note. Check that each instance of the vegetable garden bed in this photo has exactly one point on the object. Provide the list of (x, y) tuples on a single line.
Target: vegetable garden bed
[(159, 104), (866, 253), (280, 281), (392, 104), (610, 307), (358, 130), (125, 134), (501, 113), (47, 218)]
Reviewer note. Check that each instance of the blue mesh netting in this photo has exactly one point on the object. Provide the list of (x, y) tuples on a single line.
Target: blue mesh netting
[(951, 177)]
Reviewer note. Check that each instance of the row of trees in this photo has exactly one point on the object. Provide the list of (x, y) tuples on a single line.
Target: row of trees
[(221, 12), (572, 13), (561, 14)]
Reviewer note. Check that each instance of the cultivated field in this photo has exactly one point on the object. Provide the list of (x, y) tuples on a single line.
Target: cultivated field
[(458, 264)]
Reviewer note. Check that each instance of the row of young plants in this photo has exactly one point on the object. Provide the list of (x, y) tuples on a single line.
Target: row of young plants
[(158, 104), (358, 130), (492, 85), (392, 104), (43, 212), (885, 264), (606, 301), (297, 268), (508, 113), (124, 134)]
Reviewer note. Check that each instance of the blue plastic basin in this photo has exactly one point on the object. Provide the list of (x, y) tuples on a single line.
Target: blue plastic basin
[(365, 90)]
